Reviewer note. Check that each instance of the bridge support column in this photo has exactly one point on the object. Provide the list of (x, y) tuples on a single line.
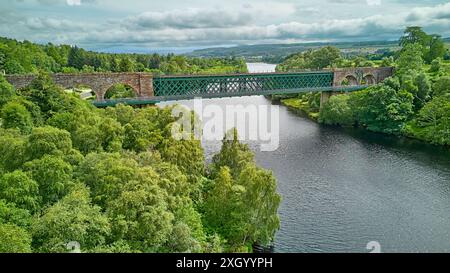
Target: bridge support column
[(326, 95)]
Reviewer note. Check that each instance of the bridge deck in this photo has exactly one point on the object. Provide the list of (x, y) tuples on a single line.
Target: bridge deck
[(154, 99)]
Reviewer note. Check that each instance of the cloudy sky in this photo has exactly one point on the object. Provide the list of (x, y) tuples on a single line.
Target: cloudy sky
[(140, 25)]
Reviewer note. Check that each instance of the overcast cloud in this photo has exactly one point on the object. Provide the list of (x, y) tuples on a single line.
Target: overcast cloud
[(99, 24)]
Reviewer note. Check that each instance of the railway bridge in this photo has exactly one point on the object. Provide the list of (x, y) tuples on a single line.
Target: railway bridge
[(150, 89)]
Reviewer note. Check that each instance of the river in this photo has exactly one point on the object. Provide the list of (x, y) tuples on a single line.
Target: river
[(344, 188)]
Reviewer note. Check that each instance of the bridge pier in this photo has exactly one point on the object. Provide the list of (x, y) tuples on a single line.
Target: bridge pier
[(326, 95)]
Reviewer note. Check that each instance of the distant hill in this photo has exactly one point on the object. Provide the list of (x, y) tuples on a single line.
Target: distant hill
[(275, 53)]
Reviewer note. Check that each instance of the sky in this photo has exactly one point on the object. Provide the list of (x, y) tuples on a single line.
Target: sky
[(134, 25)]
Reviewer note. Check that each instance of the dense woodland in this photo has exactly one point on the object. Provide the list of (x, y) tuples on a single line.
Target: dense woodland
[(114, 180), (26, 57), (414, 103)]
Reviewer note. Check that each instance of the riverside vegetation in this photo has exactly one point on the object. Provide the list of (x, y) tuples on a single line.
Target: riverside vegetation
[(413, 103)]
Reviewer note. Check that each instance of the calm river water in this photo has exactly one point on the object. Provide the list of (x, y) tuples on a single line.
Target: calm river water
[(343, 188)]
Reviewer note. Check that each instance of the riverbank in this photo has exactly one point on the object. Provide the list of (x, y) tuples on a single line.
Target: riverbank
[(303, 107)]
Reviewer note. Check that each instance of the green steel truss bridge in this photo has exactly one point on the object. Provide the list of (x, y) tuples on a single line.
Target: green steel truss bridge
[(151, 89)]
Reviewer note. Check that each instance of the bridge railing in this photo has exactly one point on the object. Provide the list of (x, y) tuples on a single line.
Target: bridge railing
[(238, 84)]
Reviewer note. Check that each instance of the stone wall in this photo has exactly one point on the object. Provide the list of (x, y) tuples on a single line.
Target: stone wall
[(361, 76), (142, 83)]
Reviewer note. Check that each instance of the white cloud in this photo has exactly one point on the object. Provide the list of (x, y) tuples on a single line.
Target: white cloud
[(74, 2), (252, 22)]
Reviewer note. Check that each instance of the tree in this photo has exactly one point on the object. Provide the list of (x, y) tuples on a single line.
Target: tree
[(106, 174), (6, 91), (410, 59), (381, 108), (76, 57), (187, 155), (432, 45), (11, 214), (436, 65), (423, 90), (141, 134), (12, 150), (414, 35), (222, 203), (139, 214), (13, 67), (387, 62), (433, 122), (261, 202), (441, 86), (436, 50), (312, 59), (53, 175), (48, 141), (233, 155), (14, 239), (16, 116), (72, 219), (324, 57), (18, 188), (44, 93), (337, 111), (126, 65), (112, 135), (119, 91), (243, 211)]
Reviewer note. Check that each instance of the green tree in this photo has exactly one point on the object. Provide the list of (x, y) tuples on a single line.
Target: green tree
[(53, 175), (73, 218), (414, 35), (6, 91), (312, 59), (441, 86), (44, 93), (436, 50), (382, 109), (106, 174), (14, 239), (76, 57), (139, 214), (48, 141), (261, 202), (410, 59), (120, 91), (433, 122), (12, 150), (18, 188), (324, 57), (337, 111), (436, 65), (233, 155), (11, 214), (126, 65), (16, 116), (432, 45), (13, 67), (423, 90)]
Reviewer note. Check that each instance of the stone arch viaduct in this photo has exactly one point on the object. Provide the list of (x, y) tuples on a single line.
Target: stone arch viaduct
[(150, 89)]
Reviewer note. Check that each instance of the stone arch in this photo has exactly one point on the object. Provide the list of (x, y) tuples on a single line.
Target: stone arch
[(130, 91), (86, 91), (349, 80), (368, 79)]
